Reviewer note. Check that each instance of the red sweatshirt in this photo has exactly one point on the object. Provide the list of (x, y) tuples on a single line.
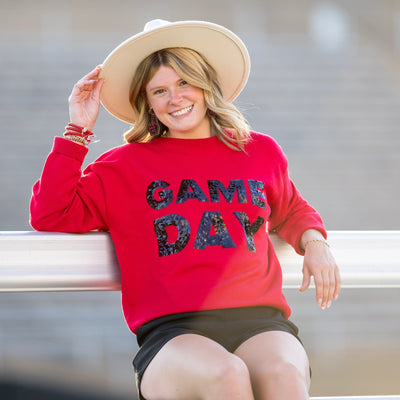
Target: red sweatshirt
[(188, 217)]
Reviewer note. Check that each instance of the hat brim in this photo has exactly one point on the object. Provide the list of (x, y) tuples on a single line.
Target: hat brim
[(222, 49)]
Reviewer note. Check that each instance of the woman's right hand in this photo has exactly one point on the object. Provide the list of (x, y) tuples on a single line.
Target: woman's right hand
[(84, 101)]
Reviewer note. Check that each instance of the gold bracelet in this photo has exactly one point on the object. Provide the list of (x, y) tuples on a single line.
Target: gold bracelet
[(76, 139), (316, 240)]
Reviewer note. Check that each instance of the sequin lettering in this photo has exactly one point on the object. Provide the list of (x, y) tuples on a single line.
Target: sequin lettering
[(235, 186), (173, 231), (165, 196), (257, 193), (189, 189), (204, 238), (164, 247), (249, 229), (158, 196)]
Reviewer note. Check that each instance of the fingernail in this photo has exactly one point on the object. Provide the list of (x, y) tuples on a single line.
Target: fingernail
[(329, 304)]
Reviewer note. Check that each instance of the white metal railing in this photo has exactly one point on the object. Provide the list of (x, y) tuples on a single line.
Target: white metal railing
[(43, 261)]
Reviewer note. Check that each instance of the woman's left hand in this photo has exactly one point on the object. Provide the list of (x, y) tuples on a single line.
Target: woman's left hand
[(320, 263)]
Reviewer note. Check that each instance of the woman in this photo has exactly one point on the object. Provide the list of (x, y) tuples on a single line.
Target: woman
[(188, 202)]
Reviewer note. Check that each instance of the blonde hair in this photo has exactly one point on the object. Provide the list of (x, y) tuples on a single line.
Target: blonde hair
[(228, 123)]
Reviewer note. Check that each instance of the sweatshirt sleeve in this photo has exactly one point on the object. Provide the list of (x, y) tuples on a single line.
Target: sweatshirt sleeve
[(64, 200), (291, 215)]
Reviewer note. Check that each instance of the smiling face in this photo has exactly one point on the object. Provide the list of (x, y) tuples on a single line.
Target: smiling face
[(178, 105)]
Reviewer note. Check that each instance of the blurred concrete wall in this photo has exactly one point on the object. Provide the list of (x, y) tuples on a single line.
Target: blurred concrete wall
[(325, 83)]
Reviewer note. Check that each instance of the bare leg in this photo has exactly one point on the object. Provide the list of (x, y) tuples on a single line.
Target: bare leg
[(278, 366), (194, 367)]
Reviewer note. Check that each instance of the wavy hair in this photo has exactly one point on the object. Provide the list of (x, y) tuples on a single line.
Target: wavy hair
[(229, 124)]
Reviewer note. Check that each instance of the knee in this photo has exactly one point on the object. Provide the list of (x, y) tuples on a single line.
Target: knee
[(230, 376), (293, 372), (285, 372)]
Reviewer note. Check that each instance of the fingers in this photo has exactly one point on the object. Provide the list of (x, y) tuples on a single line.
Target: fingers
[(87, 86), (327, 285), (319, 289), (306, 281), (96, 89), (338, 283), (92, 75), (320, 263)]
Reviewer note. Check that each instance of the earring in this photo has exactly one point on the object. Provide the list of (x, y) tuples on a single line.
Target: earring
[(154, 127), (211, 113)]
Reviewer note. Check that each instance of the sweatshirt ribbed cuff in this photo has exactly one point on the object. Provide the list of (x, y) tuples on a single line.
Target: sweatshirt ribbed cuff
[(69, 148)]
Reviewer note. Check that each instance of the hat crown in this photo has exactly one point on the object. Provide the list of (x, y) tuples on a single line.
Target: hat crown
[(154, 24)]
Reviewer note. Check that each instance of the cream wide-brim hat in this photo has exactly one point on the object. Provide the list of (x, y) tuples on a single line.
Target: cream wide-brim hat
[(222, 48)]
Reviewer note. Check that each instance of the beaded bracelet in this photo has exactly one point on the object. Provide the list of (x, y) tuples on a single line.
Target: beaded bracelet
[(316, 240), (78, 134)]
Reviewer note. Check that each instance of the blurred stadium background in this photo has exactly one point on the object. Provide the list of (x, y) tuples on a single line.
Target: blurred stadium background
[(325, 83)]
